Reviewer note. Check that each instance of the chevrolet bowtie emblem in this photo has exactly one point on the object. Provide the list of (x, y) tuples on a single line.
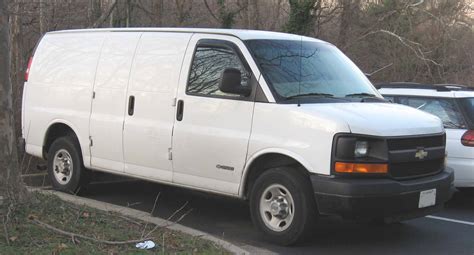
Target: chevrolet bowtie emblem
[(421, 154)]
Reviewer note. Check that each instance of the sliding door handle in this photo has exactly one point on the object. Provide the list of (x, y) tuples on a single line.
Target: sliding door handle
[(131, 105), (180, 110)]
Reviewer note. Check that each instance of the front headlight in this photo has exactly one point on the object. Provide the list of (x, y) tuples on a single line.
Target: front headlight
[(361, 149), (360, 154)]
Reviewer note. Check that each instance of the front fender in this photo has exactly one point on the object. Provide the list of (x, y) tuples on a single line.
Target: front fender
[(257, 154)]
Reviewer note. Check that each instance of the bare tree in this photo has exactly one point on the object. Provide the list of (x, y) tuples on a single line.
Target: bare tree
[(94, 10), (254, 14), (225, 15), (276, 14), (43, 16), (106, 14), (17, 63), (158, 11), (183, 9), (348, 17), (11, 187), (302, 16)]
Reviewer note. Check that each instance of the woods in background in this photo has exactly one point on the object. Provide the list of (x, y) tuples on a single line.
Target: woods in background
[(427, 41)]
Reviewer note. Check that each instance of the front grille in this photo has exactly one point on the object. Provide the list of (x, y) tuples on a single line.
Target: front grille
[(416, 169), (409, 166), (415, 142)]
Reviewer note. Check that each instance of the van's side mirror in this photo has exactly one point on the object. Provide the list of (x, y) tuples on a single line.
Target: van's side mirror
[(231, 82)]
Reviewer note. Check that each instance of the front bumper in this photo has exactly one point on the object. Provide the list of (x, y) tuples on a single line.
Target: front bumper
[(380, 198)]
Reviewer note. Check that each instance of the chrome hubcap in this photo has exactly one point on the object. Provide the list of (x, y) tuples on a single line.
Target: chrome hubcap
[(277, 207), (62, 166)]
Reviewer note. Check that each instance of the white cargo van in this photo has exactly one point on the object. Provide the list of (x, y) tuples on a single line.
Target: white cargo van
[(286, 122)]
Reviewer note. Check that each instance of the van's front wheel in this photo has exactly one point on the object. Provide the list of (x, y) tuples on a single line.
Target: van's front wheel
[(65, 166), (282, 206)]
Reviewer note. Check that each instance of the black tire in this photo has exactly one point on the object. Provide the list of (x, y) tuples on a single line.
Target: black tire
[(305, 211), (79, 176)]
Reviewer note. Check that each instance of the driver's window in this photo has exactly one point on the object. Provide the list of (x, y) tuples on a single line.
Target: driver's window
[(207, 67)]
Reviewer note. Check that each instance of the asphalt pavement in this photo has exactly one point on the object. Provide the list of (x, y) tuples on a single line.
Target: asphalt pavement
[(448, 232)]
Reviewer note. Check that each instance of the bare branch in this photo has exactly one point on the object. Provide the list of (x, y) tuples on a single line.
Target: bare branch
[(380, 69), (74, 235), (418, 52), (210, 11), (415, 47), (417, 3), (105, 15), (5, 230), (170, 217)]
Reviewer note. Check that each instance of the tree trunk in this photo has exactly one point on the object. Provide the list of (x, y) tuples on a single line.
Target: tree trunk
[(244, 5), (94, 11), (255, 14), (11, 185), (128, 12), (17, 62), (180, 11), (42, 17), (108, 12), (302, 16), (348, 18), (276, 15), (158, 7)]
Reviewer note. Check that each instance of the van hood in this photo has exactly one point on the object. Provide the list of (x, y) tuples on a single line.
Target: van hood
[(378, 119)]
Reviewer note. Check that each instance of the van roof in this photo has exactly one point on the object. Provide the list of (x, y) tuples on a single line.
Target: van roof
[(243, 34)]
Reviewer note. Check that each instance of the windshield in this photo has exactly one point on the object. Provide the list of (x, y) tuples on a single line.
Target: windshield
[(468, 106), (298, 68)]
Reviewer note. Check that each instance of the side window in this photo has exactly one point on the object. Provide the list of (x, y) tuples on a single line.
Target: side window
[(208, 64), (445, 109)]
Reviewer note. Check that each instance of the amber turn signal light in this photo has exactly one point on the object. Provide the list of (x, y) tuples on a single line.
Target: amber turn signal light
[(342, 167)]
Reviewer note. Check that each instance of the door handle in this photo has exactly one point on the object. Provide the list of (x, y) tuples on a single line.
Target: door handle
[(180, 110), (131, 105)]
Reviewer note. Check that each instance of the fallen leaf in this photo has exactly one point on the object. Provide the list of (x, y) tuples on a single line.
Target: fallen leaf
[(62, 246)]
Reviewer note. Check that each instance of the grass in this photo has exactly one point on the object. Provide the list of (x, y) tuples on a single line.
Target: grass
[(25, 237)]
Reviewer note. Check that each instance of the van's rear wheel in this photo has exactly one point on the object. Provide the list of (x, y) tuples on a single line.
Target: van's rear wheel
[(282, 205), (65, 167)]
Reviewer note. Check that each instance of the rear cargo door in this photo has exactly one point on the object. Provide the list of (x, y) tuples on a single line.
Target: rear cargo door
[(150, 104)]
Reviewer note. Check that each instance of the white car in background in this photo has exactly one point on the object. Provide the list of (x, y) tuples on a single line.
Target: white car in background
[(454, 105)]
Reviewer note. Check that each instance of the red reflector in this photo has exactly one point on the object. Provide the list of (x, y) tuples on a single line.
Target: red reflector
[(27, 72), (468, 138)]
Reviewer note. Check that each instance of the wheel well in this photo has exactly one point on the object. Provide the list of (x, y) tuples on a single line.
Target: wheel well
[(54, 132), (268, 161)]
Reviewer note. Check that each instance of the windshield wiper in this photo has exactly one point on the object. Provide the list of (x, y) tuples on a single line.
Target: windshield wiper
[(361, 95), (311, 94), (450, 124), (367, 97)]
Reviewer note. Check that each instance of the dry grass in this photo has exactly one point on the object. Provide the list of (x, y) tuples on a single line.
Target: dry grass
[(26, 237)]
